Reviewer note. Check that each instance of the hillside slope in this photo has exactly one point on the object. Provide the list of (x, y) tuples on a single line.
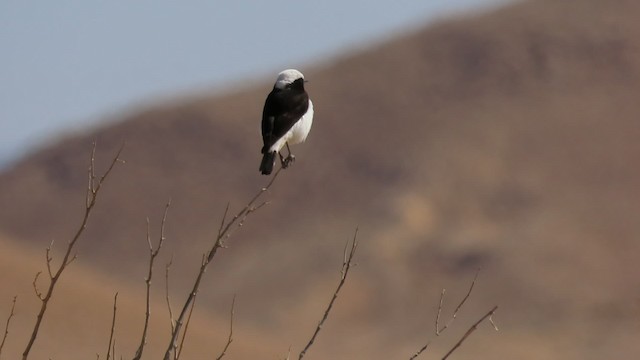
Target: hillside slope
[(505, 141)]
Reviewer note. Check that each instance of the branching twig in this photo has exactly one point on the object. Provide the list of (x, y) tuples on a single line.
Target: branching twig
[(153, 253), (6, 327), (472, 329), (455, 312), (346, 265), (93, 189), (439, 330), (224, 232), (230, 338), (113, 327), (35, 286)]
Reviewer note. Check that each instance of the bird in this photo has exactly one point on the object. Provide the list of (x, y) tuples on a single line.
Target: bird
[(286, 119)]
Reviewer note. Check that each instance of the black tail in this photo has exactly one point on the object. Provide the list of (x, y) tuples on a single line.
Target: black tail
[(268, 160)]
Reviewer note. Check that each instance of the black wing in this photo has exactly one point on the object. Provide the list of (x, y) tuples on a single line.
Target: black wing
[(282, 109)]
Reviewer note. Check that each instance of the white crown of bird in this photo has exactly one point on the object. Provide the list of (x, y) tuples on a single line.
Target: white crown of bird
[(287, 77)]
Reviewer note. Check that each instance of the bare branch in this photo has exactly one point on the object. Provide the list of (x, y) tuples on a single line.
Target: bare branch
[(471, 330), (92, 177), (439, 330), (440, 312), (48, 258), (346, 265), (166, 278), (455, 312), (93, 190), (6, 327), (224, 232), (230, 338), (153, 253), (71, 259), (186, 328), (35, 286), (249, 208), (224, 218), (113, 326), (422, 349), (495, 327)]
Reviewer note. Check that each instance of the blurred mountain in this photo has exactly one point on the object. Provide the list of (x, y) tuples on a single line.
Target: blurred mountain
[(505, 141)]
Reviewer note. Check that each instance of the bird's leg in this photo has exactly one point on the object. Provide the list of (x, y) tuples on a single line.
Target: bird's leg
[(283, 161), (290, 158), (286, 161)]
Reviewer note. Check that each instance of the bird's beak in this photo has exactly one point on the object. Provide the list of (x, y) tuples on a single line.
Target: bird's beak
[(306, 81)]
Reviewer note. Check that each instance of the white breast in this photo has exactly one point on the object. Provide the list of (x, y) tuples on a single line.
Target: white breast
[(301, 129), (298, 133)]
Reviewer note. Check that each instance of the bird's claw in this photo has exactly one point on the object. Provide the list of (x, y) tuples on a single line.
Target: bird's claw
[(288, 161)]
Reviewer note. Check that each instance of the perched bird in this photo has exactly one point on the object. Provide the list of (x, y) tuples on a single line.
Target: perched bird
[(286, 118)]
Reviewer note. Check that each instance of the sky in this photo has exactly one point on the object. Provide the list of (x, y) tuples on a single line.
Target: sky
[(66, 65)]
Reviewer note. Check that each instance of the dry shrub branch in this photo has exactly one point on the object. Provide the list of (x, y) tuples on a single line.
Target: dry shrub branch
[(153, 253), (440, 330), (94, 185), (230, 338), (347, 262), (6, 326), (224, 232), (112, 346)]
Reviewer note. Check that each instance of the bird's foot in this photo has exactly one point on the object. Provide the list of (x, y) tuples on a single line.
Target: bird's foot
[(288, 161)]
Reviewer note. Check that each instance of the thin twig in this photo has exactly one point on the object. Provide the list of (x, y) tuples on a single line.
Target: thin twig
[(471, 329), (49, 258), (186, 329), (439, 330), (153, 253), (166, 279), (113, 326), (455, 312), (224, 218), (224, 232), (346, 265), (422, 349), (93, 189), (35, 286), (6, 327), (230, 338)]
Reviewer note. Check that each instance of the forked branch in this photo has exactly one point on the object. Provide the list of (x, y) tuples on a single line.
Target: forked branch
[(439, 330), (224, 232), (94, 185), (153, 253)]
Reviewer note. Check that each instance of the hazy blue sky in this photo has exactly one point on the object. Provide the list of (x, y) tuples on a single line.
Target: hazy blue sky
[(66, 64)]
